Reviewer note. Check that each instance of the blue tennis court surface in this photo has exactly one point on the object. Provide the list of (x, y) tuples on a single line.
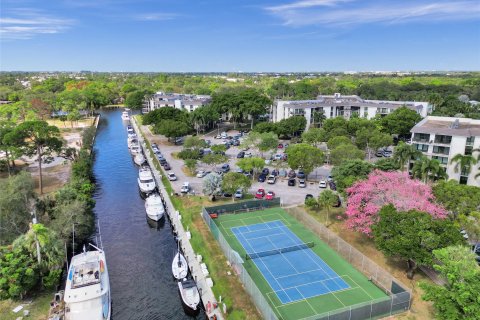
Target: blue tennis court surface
[(293, 275)]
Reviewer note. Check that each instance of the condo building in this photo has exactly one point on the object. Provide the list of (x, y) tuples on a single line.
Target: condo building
[(442, 138), (187, 102)]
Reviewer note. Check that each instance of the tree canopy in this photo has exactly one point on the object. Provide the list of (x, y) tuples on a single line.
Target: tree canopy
[(400, 121), (304, 156)]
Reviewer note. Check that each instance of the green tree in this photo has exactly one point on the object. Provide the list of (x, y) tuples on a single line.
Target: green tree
[(172, 128), (369, 140), (387, 164), (458, 199), (318, 118), (304, 156), (463, 163), (38, 138), (403, 153), (351, 171), (191, 165), (73, 116), (213, 159), (18, 272), (345, 152), (412, 236), (338, 141), (291, 126), (212, 184), (17, 193), (327, 200), (232, 181), (218, 148), (268, 141), (400, 121), (314, 136), (458, 299), (135, 99), (428, 169), (251, 164), (194, 142)]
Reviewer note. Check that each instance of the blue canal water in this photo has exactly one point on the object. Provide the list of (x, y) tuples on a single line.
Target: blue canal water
[(139, 251)]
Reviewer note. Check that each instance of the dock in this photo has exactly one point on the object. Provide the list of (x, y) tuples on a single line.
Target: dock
[(203, 280)]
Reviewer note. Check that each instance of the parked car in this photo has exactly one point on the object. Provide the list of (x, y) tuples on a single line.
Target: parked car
[(277, 157), (292, 174), (248, 155), (179, 141), (172, 176), (270, 195), (265, 171), (260, 194), (301, 183), (332, 185), (329, 179), (301, 174), (239, 170), (241, 154), (282, 173), (262, 178), (162, 161), (379, 153), (218, 136), (225, 168), (280, 146), (155, 149), (160, 157), (201, 174), (322, 184), (274, 172), (185, 187), (387, 153), (339, 202), (308, 196), (224, 135), (271, 179), (291, 182), (238, 194), (166, 166), (227, 195)]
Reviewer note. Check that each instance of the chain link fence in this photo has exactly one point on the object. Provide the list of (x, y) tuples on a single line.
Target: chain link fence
[(399, 297)]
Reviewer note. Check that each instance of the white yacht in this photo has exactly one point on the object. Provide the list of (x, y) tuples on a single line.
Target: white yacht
[(146, 183), (190, 296), (131, 141), (125, 115), (135, 149), (154, 207), (139, 159), (179, 266), (87, 291), (130, 129)]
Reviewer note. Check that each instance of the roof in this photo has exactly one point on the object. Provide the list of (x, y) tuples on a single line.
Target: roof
[(445, 126)]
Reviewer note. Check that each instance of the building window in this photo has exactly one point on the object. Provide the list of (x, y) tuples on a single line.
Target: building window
[(470, 141), (421, 137), (441, 150), (421, 147), (463, 180), (468, 150), (443, 139), (442, 160)]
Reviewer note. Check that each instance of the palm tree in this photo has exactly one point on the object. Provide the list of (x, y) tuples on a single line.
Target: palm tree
[(318, 118), (428, 169), (326, 200), (404, 153), (464, 163)]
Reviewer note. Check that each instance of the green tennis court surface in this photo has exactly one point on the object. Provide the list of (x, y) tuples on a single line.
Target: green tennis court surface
[(322, 280)]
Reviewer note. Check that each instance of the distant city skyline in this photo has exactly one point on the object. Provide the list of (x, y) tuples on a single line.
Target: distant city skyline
[(240, 36)]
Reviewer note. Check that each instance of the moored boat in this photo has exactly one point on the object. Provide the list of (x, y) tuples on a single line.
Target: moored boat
[(87, 291), (154, 207), (125, 115), (146, 183), (139, 159), (179, 266), (190, 296)]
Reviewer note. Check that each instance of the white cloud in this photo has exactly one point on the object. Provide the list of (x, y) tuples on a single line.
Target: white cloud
[(26, 23), (376, 12), (306, 4), (158, 16)]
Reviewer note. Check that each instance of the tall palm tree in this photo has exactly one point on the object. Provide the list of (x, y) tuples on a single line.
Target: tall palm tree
[(318, 118), (326, 200), (428, 169), (404, 153), (464, 163)]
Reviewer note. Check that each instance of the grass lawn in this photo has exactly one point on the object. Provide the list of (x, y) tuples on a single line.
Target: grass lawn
[(39, 306), (360, 289)]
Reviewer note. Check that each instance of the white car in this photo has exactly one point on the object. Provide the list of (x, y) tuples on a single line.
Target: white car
[(271, 179), (322, 184), (185, 187), (172, 176), (278, 157), (247, 155), (201, 174), (301, 183)]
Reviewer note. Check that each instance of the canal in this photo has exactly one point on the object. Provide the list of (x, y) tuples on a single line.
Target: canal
[(139, 251)]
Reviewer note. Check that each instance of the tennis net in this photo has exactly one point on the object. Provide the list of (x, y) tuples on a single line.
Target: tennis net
[(255, 255)]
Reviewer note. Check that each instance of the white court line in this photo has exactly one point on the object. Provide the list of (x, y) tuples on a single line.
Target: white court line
[(284, 258)]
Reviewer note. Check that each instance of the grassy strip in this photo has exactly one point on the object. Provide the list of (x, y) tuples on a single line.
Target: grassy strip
[(38, 308), (238, 302)]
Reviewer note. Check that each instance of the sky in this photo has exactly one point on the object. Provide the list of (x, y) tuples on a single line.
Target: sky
[(239, 36)]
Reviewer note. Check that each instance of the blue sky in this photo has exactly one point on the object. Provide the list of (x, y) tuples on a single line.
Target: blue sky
[(240, 35)]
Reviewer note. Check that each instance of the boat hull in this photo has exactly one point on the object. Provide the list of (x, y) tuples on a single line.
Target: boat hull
[(189, 310), (179, 273)]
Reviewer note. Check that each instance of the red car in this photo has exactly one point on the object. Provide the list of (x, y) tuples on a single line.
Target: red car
[(280, 146), (260, 194), (270, 195)]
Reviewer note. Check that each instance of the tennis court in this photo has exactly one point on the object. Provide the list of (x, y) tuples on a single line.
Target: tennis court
[(288, 264), (299, 275)]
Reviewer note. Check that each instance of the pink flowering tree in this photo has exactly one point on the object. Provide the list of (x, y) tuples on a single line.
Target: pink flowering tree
[(367, 197)]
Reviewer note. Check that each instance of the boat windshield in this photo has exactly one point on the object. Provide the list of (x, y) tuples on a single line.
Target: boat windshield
[(146, 180), (86, 274)]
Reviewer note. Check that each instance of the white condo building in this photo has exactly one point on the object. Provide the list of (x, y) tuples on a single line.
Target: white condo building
[(442, 138), (345, 106), (188, 102)]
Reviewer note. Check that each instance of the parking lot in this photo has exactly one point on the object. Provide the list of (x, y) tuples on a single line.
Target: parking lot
[(289, 195)]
